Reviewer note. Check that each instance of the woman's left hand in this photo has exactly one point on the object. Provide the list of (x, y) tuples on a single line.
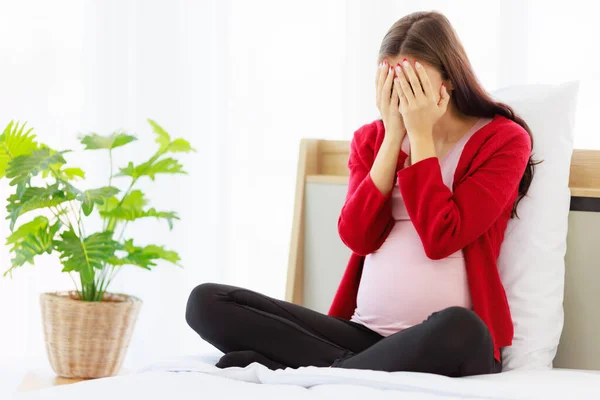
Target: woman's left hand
[(419, 106)]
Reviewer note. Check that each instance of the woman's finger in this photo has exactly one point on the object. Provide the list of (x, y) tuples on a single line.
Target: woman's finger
[(424, 78), (414, 80), (377, 83), (379, 79), (403, 103), (381, 74), (405, 86), (395, 103), (398, 90), (386, 90)]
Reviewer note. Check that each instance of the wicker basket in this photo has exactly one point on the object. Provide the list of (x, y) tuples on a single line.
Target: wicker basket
[(87, 339)]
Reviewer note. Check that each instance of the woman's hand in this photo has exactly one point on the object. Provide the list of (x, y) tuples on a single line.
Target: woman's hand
[(385, 165), (388, 102), (418, 102)]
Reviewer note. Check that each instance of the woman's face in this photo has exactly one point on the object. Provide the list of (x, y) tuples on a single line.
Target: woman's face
[(435, 76)]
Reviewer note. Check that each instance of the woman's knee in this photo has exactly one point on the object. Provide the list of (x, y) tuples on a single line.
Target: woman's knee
[(460, 327), (458, 316), (200, 310)]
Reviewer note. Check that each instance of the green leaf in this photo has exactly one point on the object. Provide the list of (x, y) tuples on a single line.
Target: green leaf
[(133, 200), (142, 262), (71, 173), (14, 142), (85, 255), (71, 190), (54, 230), (153, 168), (96, 196), (161, 253), (34, 198), (31, 239), (144, 257), (162, 137), (132, 208), (155, 165), (26, 229), (66, 174), (169, 216), (113, 208), (94, 141), (180, 146), (22, 168), (164, 140)]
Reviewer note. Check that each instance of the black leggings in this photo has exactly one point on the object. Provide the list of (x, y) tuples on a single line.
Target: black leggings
[(250, 327)]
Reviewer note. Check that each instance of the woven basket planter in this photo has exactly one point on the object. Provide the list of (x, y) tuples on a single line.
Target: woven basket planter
[(87, 339)]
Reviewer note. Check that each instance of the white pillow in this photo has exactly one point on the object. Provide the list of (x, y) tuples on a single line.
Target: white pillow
[(532, 256)]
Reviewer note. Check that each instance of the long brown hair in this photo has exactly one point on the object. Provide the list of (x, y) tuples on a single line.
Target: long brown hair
[(429, 37)]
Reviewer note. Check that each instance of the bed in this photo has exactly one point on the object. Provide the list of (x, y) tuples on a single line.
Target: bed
[(317, 251), (196, 377)]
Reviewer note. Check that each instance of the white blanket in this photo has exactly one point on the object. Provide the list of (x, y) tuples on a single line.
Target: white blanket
[(192, 377)]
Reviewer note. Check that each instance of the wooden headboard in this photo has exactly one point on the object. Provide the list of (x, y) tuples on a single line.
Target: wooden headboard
[(323, 176)]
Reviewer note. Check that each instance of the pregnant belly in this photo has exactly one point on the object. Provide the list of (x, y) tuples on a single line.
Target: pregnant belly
[(400, 286)]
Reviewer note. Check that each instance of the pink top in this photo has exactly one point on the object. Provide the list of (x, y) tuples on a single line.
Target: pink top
[(400, 286)]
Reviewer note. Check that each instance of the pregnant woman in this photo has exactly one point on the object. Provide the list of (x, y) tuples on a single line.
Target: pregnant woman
[(432, 187)]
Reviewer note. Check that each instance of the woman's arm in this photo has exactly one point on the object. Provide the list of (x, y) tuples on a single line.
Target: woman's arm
[(366, 217), (383, 170), (385, 166), (448, 221)]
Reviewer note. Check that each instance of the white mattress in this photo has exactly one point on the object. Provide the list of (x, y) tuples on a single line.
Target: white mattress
[(196, 377)]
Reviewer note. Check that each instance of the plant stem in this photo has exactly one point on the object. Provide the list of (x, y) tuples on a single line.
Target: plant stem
[(78, 219), (105, 278), (75, 284), (149, 163), (91, 285), (105, 282), (134, 180), (62, 211), (81, 293), (123, 231), (101, 280), (110, 176), (113, 274), (57, 215), (83, 288), (110, 158), (102, 283)]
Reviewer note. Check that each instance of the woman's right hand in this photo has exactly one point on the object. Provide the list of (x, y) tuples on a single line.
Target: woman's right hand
[(388, 102), (385, 165)]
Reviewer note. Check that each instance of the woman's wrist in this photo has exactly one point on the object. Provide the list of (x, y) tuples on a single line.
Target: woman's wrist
[(392, 141), (384, 167), (394, 136), (422, 146)]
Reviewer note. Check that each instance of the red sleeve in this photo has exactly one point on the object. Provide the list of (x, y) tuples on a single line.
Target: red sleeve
[(366, 217), (446, 222)]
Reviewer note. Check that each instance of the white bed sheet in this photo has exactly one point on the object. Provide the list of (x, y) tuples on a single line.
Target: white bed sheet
[(192, 377)]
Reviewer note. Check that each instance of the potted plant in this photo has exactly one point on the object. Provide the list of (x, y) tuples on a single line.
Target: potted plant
[(86, 330)]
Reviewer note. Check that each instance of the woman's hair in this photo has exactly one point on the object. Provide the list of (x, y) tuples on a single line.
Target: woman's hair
[(429, 37)]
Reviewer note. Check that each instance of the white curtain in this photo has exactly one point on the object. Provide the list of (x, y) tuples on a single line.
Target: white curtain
[(243, 81)]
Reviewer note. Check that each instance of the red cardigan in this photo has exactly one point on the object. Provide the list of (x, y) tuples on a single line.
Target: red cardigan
[(472, 217)]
